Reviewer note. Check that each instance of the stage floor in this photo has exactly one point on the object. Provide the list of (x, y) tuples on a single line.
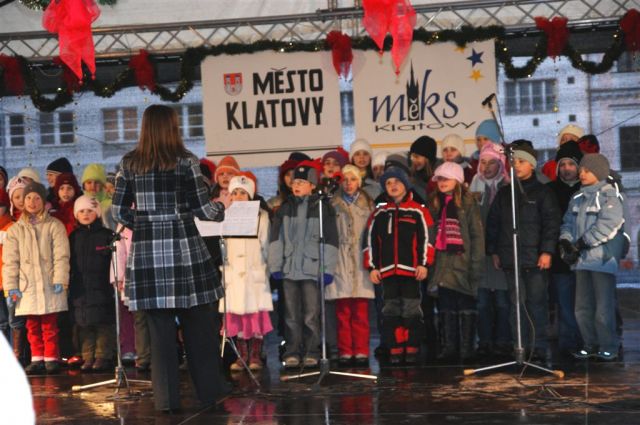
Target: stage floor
[(590, 393)]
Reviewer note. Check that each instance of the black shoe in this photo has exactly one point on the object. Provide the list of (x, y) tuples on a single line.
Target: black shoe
[(345, 361), (52, 367), (540, 355), (143, 367), (381, 351), (585, 353), (87, 366), (172, 411), (36, 368), (102, 365), (361, 360), (606, 356)]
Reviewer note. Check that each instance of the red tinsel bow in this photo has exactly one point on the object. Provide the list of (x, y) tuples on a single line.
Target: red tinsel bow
[(71, 20), (341, 52), (630, 25), (13, 80), (377, 19), (143, 70), (402, 25), (557, 33), (71, 81)]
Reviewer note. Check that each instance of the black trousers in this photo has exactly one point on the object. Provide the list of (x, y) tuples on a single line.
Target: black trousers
[(201, 342)]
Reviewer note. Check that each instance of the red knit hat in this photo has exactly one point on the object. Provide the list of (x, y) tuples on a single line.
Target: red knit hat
[(70, 179), (4, 199), (228, 163)]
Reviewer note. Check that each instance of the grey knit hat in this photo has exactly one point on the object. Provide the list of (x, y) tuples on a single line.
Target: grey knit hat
[(37, 188), (597, 163)]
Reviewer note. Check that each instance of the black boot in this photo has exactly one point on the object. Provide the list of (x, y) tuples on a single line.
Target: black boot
[(19, 342), (449, 320), (468, 331)]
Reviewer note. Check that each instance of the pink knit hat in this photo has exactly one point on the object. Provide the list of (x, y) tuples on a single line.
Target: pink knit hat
[(86, 203), (449, 170), (495, 151)]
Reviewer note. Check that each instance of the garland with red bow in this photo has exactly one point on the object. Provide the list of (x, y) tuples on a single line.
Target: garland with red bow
[(15, 69), (341, 52), (557, 34)]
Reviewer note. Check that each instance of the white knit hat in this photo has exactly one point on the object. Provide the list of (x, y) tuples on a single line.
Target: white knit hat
[(30, 173), (86, 203), (379, 158), (359, 145), (352, 169), (453, 141), (244, 183), (570, 129)]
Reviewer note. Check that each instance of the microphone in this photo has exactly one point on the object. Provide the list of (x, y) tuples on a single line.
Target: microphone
[(488, 99)]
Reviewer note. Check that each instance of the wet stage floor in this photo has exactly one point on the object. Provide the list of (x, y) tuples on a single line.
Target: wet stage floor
[(590, 393)]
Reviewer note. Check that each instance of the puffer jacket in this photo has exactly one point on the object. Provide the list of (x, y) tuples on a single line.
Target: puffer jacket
[(35, 257), (461, 272), (397, 239), (90, 291), (294, 242), (595, 214), (351, 279), (538, 220)]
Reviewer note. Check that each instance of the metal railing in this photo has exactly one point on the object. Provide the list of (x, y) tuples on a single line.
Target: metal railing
[(122, 41)]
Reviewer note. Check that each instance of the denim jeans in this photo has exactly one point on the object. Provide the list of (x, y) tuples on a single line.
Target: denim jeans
[(534, 296), (302, 318), (493, 317), (8, 318), (564, 288), (595, 309)]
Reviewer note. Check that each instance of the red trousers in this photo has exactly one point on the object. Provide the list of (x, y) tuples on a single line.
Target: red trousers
[(353, 326), (42, 333)]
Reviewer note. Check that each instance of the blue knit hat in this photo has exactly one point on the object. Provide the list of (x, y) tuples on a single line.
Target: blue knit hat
[(490, 130), (398, 173)]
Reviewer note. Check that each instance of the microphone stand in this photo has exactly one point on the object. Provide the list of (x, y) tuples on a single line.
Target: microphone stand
[(519, 350), (120, 378), (325, 367)]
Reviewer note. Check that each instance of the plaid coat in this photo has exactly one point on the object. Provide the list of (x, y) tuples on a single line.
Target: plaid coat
[(168, 265)]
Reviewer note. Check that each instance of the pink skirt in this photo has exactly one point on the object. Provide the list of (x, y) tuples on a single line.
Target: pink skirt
[(250, 325)]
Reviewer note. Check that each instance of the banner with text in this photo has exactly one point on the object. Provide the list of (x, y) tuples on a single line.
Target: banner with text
[(439, 91), (259, 107)]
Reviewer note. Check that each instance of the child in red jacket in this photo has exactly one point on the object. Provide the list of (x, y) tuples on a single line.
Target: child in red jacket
[(65, 192), (396, 253)]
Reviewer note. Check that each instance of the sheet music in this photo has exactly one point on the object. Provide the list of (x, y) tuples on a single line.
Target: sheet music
[(240, 219)]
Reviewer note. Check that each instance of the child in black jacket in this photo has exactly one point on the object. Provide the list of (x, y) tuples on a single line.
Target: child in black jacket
[(539, 226), (91, 295)]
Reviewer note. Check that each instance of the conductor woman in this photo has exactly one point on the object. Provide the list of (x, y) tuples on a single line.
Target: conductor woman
[(169, 274)]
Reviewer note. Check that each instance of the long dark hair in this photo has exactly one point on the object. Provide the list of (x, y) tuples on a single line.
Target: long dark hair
[(160, 144)]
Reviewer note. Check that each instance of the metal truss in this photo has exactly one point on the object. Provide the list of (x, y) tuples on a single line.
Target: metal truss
[(122, 41)]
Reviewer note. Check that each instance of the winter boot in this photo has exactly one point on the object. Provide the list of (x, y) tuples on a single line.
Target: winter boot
[(19, 344), (243, 354), (255, 358), (449, 320), (468, 320)]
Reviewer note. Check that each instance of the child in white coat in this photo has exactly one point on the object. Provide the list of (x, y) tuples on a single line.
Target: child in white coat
[(352, 289), (247, 291), (35, 276)]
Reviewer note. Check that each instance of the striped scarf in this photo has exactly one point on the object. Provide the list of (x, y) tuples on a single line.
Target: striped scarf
[(449, 237)]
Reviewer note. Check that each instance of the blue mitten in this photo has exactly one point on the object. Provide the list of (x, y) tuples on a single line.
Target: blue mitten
[(327, 278), (14, 295), (277, 276), (57, 288)]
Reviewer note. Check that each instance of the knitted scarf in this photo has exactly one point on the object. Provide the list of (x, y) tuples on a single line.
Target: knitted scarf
[(449, 237)]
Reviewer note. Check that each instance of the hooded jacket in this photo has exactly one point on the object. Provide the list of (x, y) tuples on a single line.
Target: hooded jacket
[(595, 215)]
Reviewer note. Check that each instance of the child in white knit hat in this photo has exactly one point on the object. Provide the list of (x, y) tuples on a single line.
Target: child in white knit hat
[(361, 155), (247, 291)]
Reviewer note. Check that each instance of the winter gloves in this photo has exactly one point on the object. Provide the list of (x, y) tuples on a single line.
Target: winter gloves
[(570, 252), (13, 296)]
